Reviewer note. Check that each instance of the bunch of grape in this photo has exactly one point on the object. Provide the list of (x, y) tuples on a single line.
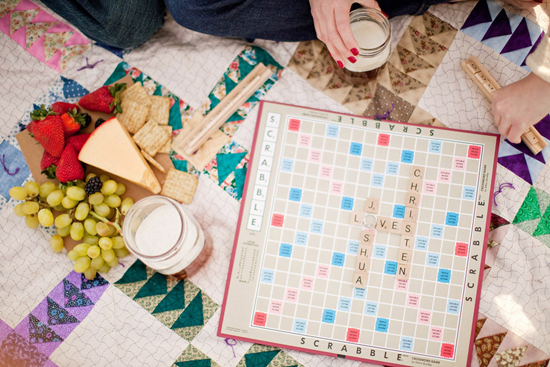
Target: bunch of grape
[(92, 220)]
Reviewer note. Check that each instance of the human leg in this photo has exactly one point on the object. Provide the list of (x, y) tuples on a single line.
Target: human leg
[(117, 23)]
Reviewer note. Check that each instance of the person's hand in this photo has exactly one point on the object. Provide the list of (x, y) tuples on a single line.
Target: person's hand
[(331, 20), (520, 105), (524, 4)]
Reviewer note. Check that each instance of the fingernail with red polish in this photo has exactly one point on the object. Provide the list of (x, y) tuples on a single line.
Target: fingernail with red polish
[(352, 59), (354, 51), (340, 63), (386, 15)]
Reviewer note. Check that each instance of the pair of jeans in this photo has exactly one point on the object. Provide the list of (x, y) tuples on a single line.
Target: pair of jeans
[(129, 23)]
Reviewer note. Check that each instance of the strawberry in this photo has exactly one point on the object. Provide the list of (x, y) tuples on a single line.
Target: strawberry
[(69, 167), (104, 99), (48, 130), (78, 141), (73, 121), (62, 107), (48, 165)]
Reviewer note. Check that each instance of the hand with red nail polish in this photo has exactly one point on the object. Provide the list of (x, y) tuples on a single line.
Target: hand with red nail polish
[(331, 20)]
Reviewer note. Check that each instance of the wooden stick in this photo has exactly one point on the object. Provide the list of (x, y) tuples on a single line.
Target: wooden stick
[(227, 106), (488, 85)]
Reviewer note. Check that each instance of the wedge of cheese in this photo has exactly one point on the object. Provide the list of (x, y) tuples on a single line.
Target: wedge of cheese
[(111, 149)]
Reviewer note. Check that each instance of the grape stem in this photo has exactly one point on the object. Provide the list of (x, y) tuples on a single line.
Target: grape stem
[(105, 220)]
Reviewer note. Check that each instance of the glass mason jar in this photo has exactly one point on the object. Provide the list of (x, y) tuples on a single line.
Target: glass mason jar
[(372, 31), (163, 235)]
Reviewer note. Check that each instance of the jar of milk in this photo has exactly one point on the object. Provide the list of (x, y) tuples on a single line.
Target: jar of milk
[(372, 31), (163, 235)]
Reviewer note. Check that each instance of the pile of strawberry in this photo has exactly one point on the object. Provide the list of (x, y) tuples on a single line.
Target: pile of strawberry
[(55, 128)]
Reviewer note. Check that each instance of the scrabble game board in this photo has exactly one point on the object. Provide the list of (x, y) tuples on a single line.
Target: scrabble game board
[(360, 238)]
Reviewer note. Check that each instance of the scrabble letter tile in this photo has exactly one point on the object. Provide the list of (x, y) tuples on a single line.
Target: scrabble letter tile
[(417, 173), (372, 205), (383, 224), (407, 242), (395, 226), (411, 214), (408, 228), (415, 185), (413, 199), (403, 271), (367, 236), (404, 257), (357, 218), (360, 280)]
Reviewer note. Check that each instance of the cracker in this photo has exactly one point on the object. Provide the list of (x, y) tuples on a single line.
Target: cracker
[(160, 109), (151, 138), (180, 186), (133, 115), (137, 94), (166, 147), (151, 160)]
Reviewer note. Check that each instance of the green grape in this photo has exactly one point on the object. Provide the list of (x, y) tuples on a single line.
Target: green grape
[(30, 207), (121, 252), (90, 226), (18, 210), (63, 220), (96, 198), (46, 189), (90, 175), (105, 268), (64, 232), (68, 203), (18, 193), (105, 243), (113, 262), (45, 217), (77, 231), (104, 178), (31, 221), (113, 201), (102, 209), (82, 211), (55, 198), (97, 263), (90, 273), (126, 205), (90, 240), (112, 231), (93, 251), (102, 229), (82, 264), (81, 249), (108, 255), (81, 184), (56, 242), (72, 255), (33, 188), (121, 189), (118, 242), (76, 193), (59, 208), (109, 187)]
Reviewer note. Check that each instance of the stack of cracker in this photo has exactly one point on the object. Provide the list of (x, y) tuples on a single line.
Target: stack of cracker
[(146, 117)]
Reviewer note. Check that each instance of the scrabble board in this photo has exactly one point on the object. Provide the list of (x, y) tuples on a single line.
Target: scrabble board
[(361, 239)]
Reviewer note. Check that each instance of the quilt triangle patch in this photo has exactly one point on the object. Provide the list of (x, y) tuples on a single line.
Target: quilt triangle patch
[(434, 25), (54, 42), (261, 359), (57, 315), (72, 89), (500, 27), (520, 38), (487, 347), (98, 281), (40, 332), (240, 178), (497, 221), (511, 357), (35, 30), (137, 272), (517, 164), (192, 315), (529, 226), (175, 115), (21, 18), (70, 52), (480, 14), (180, 165), (411, 62), (544, 200), (73, 296), (402, 82), (155, 286), (529, 209), (227, 164), (195, 363), (424, 45), (6, 6), (174, 300)]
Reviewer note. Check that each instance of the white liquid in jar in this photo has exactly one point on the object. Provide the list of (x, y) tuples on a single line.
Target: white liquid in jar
[(368, 35), (160, 231)]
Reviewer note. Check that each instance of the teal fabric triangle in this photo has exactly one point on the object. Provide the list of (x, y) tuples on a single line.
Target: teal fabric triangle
[(158, 91), (154, 286), (240, 177), (192, 315), (244, 67), (195, 363), (180, 165), (229, 84), (262, 359), (175, 115), (235, 117), (265, 57), (214, 101), (136, 273), (227, 163), (174, 300), (117, 74), (139, 79)]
